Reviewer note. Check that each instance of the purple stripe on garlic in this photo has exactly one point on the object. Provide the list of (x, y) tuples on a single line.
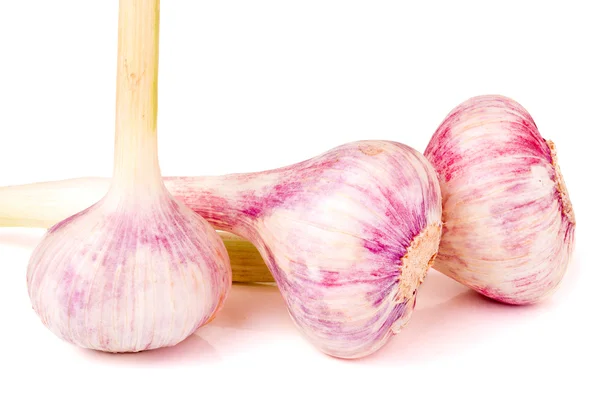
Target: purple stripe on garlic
[(508, 221)]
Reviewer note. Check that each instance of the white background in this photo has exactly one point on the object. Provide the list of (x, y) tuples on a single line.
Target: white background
[(251, 85)]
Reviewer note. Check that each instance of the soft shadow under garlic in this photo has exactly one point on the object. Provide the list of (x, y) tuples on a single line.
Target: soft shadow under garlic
[(193, 350), (253, 316), (255, 307), (449, 318)]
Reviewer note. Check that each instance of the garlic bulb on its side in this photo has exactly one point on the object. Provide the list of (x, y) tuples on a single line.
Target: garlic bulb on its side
[(137, 270), (508, 221), (348, 235)]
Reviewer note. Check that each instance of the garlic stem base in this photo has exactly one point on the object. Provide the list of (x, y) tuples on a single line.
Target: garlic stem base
[(417, 261), (567, 208)]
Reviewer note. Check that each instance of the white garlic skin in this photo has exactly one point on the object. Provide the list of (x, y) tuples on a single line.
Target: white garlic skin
[(508, 221), (127, 275)]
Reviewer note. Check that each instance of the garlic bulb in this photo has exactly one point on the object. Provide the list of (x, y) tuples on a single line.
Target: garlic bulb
[(137, 270), (508, 221), (348, 236)]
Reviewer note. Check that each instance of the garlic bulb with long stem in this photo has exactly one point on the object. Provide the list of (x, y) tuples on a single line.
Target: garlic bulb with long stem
[(508, 221), (137, 270), (348, 235)]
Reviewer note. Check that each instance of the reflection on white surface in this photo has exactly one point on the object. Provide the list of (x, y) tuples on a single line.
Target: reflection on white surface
[(193, 350)]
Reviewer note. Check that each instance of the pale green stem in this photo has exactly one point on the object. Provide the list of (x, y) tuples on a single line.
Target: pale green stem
[(136, 167)]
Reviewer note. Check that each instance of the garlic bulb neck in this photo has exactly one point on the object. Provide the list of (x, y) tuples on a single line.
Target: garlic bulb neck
[(229, 202)]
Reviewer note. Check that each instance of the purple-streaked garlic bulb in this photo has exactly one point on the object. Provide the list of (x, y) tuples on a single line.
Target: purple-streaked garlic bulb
[(137, 270), (508, 221), (348, 236)]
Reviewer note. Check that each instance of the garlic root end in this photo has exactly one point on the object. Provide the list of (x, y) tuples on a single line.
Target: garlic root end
[(567, 208), (418, 260)]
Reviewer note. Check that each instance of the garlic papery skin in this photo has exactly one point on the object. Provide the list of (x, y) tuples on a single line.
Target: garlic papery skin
[(137, 270), (508, 222)]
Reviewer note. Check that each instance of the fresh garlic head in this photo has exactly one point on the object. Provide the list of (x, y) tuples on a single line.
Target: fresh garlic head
[(508, 221), (137, 270), (129, 276), (348, 236)]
